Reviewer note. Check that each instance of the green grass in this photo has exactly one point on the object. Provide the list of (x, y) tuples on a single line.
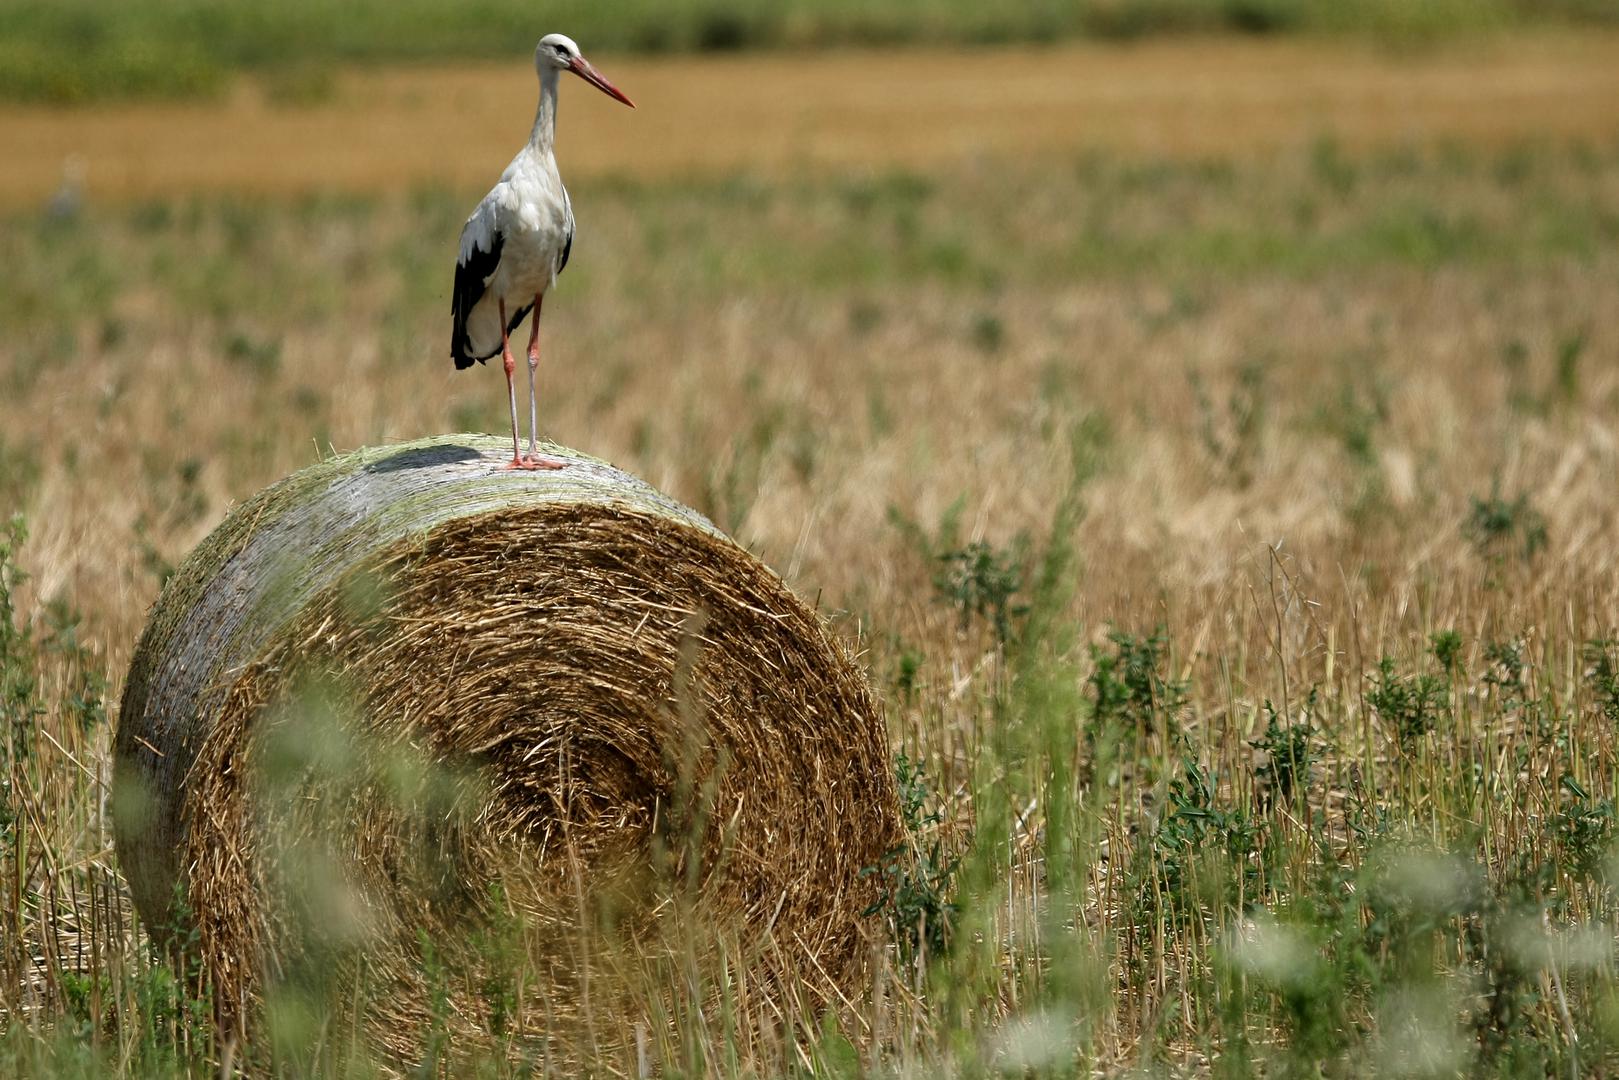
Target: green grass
[(81, 50), (987, 229)]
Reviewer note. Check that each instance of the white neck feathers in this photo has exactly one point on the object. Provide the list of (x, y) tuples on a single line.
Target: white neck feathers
[(545, 117)]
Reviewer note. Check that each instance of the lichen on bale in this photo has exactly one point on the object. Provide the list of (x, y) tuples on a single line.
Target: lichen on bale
[(406, 702)]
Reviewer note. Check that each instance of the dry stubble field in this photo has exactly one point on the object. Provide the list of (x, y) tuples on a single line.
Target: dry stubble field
[(1230, 533)]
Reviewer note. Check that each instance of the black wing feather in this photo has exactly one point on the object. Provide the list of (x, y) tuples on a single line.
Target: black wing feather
[(471, 274), (567, 249)]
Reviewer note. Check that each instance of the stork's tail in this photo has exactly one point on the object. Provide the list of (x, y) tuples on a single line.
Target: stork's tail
[(461, 349), (459, 354)]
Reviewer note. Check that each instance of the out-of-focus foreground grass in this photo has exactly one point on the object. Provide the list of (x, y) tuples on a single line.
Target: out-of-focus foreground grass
[(1233, 547), (79, 50)]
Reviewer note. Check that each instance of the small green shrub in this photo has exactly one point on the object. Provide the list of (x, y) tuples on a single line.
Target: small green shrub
[(1289, 755), (917, 877), (1497, 526), (20, 706), (1409, 705), (977, 579), (1203, 854), (1128, 684), (980, 581), (1584, 831), (1602, 676), (1505, 667), (1446, 647)]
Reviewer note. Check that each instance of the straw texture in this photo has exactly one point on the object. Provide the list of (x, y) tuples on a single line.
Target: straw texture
[(408, 724)]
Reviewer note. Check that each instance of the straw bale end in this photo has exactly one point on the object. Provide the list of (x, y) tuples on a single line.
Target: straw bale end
[(404, 692)]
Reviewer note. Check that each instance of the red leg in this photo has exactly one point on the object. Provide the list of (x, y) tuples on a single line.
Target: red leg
[(511, 387), (533, 362), (535, 459)]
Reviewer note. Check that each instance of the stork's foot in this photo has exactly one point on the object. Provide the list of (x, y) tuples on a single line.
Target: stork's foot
[(536, 462)]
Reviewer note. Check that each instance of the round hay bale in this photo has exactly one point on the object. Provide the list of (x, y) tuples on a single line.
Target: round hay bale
[(408, 724)]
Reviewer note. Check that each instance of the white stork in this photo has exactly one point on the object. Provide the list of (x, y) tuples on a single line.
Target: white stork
[(516, 243)]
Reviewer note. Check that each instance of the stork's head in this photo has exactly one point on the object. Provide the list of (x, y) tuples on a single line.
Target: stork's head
[(558, 51)]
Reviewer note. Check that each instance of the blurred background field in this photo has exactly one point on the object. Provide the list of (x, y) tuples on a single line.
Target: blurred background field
[(393, 130), (80, 50), (1209, 444)]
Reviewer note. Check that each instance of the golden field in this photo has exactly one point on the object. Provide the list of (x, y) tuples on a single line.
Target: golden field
[(391, 130), (1127, 407)]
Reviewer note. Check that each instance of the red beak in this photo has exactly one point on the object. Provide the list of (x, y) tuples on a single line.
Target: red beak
[(582, 68)]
